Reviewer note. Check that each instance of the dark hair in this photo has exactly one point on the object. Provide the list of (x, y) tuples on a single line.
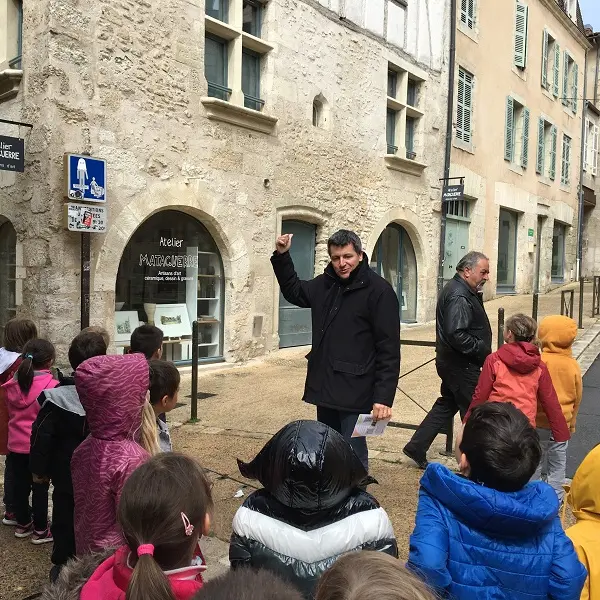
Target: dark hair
[(343, 237), (146, 339), (37, 354), (97, 329), (164, 380), (244, 583), (470, 260), (150, 512), (502, 447), (17, 332), (84, 346), (523, 327)]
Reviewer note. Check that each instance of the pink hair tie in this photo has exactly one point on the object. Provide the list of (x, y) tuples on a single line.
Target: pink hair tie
[(145, 549), (187, 526)]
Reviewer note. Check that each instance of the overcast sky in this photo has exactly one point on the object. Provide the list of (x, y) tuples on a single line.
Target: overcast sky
[(590, 9)]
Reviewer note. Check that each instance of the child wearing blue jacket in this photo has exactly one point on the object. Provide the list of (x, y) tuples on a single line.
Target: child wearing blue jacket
[(489, 533)]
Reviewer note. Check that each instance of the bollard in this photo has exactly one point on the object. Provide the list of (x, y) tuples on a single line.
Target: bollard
[(500, 327), (580, 323), (534, 310), (195, 342)]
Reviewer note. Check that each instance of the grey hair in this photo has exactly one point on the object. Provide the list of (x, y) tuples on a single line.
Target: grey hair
[(343, 237), (470, 260)]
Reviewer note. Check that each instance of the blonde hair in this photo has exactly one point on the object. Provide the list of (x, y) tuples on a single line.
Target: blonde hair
[(149, 431), (524, 328), (371, 575)]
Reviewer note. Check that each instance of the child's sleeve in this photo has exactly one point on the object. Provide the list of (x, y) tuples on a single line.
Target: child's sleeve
[(484, 386), (42, 441), (549, 400), (578, 397), (568, 575), (429, 543)]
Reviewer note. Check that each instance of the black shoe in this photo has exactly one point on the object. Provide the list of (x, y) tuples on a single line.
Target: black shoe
[(55, 572), (421, 462)]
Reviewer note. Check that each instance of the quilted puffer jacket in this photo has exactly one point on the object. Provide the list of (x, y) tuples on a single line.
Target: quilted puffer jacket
[(310, 510), (472, 542)]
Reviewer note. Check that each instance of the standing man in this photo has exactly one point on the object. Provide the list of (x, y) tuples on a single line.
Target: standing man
[(354, 363), (463, 341)]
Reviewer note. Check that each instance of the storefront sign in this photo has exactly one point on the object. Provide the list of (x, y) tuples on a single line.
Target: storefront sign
[(86, 178), (453, 192), (87, 219), (12, 154), (169, 261)]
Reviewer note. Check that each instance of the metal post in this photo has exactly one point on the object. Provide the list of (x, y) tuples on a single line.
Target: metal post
[(450, 439), (195, 342), (580, 324), (534, 310), (85, 279), (500, 327)]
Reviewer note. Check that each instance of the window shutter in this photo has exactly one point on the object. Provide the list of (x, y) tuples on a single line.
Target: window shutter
[(565, 178), (595, 151), (586, 144), (521, 35), (545, 59), (468, 106), (464, 106), (553, 144), (556, 69), (471, 14), (575, 86), (525, 147), (539, 163), (565, 85), (509, 143)]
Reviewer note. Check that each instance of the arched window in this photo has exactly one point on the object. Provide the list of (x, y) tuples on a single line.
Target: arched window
[(320, 112)]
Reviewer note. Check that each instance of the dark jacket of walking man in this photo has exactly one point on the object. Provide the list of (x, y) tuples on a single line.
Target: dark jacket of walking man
[(463, 341), (354, 363)]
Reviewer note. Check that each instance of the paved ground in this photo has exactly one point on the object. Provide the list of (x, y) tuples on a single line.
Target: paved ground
[(246, 404)]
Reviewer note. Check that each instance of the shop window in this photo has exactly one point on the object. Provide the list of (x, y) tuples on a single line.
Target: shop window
[(507, 251), (8, 288), (170, 275), (559, 233)]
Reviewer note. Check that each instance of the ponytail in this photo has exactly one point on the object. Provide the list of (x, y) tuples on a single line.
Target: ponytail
[(149, 431), (25, 373), (148, 582), (37, 354)]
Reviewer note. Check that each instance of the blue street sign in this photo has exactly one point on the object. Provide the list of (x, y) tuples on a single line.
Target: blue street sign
[(86, 178)]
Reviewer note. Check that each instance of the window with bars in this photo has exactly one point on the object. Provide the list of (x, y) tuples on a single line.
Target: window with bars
[(467, 13), (550, 63), (590, 154), (390, 132), (215, 67), (457, 208), (521, 26), (516, 137), (545, 160), (410, 137), (565, 174), (464, 106), (251, 79)]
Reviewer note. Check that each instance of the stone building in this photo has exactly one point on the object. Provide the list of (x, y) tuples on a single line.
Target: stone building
[(221, 125), (517, 140)]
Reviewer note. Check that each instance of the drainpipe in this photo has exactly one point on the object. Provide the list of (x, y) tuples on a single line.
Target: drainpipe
[(582, 157), (449, 117), (597, 40)]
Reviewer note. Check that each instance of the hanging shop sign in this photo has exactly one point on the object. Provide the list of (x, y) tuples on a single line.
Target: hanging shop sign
[(453, 192), (12, 154), (87, 219), (86, 178)]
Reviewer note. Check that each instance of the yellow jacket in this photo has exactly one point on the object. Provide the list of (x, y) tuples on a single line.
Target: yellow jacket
[(584, 497), (557, 334)]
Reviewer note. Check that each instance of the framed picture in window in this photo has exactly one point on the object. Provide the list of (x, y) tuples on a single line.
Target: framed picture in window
[(173, 319), (125, 322)]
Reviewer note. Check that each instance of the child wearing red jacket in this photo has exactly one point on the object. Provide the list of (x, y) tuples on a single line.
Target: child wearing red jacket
[(516, 374)]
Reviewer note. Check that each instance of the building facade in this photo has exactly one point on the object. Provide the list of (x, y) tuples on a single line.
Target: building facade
[(222, 124), (517, 140)]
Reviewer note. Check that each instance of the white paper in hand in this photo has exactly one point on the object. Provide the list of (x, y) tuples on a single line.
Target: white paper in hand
[(366, 427)]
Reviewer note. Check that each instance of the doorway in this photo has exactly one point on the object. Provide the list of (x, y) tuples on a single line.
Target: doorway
[(507, 251)]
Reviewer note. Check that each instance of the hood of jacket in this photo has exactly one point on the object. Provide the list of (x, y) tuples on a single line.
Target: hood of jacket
[(557, 334), (522, 357), (584, 493), (41, 381), (503, 514), (307, 466), (112, 391)]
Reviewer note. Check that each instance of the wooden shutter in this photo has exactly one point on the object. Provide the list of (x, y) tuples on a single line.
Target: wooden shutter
[(467, 13), (525, 146), (575, 86), (595, 151), (553, 144), (539, 162), (565, 177), (565, 85), (509, 137), (521, 35), (556, 69), (545, 59), (464, 106)]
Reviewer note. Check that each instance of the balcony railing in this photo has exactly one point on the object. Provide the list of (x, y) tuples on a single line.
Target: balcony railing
[(253, 103), (392, 149), (216, 90)]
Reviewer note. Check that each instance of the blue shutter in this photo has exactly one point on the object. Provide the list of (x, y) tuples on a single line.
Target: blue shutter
[(545, 59), (539, 162), (521, 35), (509, 138), (575, 88), (565, 86), (525, 146), (553, 144), (556, 69)]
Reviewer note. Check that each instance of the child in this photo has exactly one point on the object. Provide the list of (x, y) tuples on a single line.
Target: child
[(557, 334), (148, 340), (370, 576), (516, 374), (22, 391), (97, 329), (488, 533), (584, 497), (164, 386), (59, 428), (112, 390), (311, 510), (163, 512), (17, 332)]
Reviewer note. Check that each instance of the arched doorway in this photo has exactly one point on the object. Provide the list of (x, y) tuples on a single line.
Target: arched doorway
[(395, 260), (8, 272), (170, 274)]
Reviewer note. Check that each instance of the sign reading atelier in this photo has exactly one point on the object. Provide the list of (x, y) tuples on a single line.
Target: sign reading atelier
[(12, 154), (453, 192)]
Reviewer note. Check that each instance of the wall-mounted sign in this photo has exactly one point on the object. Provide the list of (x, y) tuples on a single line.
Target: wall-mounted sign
[(12, 154), (86, 178), (453, 192), (87, 219)]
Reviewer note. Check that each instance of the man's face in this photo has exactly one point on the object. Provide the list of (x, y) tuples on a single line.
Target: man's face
[(478, 275), (344, 260)]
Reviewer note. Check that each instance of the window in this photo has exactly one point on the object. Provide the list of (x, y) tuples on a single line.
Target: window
[(392, 84), (521, 22), (558, 252), (545, 163), (251, 79), (252, 18), (565, 176), (458, 208), (390, 132), (17, 37), (516, 142), (570, 82), (218, 9), (464, 106), (550, 63), (411, 92), (467, 13), (8, 272), (410, 138), (215, 67), (590, 155), (507, 250)]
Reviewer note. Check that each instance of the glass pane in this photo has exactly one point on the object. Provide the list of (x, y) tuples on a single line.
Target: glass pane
[(410, 136), (558, 252), (390, 256), (217, 9), (411, 95), (507, 248), (215, 65), (251, 80), (251, 18), (408, 288), (391, 84), (8, 256), (390, 132)]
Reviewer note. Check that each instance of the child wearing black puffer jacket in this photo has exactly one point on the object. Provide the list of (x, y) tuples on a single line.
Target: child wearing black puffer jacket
[(311, 509)]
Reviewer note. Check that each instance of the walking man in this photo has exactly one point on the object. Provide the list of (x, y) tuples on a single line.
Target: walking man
[(354, 363), (463, 341)]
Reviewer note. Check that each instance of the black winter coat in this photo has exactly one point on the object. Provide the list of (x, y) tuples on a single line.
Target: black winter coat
[(463, 332), (355, 357), (310, 511)]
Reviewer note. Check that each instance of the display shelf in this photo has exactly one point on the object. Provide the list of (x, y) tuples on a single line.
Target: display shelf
[(209, 276), (203, 252), (208, 299), (205, 345), (208, 321)]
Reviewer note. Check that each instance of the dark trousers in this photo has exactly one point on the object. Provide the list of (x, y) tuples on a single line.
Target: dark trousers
[(344, 422), (9, 503), (63, 530), (23, 485), (456, 393)]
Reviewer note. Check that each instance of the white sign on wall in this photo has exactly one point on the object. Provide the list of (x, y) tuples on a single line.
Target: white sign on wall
[(87, 219)]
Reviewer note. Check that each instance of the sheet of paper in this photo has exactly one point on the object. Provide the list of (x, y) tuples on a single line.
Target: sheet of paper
[(366, 427)]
